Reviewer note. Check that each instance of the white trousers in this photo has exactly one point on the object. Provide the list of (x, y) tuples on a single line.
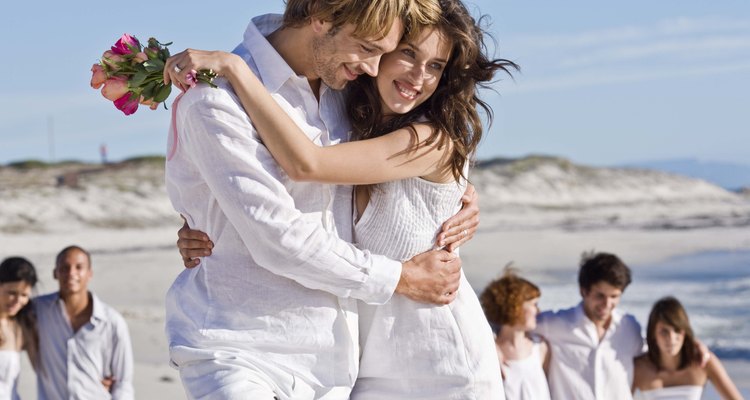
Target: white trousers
[(209, 374)]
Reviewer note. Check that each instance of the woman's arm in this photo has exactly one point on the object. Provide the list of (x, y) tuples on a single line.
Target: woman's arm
[(361, 162), (546, 355), (721, 380)]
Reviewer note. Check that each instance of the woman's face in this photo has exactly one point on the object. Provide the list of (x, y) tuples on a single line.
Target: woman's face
[(410, 74), (13, 296), (530, 309), (669, 339)]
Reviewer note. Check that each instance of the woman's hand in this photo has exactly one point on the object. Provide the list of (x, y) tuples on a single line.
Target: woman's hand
[(178, 67), (460, 228)]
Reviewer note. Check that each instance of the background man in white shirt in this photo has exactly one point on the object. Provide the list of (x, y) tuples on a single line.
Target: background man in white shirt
[(83, 342), (272, 313), (593, 344)]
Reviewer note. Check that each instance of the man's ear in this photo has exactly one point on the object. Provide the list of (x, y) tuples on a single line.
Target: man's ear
[(54, 273), (319, 26)]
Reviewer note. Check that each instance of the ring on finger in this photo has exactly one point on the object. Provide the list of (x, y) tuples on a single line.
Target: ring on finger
[(464, 232), (177, 68)]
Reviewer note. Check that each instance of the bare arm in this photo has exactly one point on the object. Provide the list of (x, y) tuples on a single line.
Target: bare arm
[(370, 161), (721, 380), (364, 162)]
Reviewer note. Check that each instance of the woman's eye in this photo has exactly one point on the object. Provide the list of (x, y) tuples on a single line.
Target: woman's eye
[(408, 52), (366, 49), (436, 66)]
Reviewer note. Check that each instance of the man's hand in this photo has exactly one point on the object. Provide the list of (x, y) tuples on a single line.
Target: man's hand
[(193, 244), (704, 354), (431, 277), (108, 381), (461, 227)]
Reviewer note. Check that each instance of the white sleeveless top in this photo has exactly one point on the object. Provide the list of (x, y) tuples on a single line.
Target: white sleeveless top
[(525, 379), (412, 350), (683, 392), (10, 367)]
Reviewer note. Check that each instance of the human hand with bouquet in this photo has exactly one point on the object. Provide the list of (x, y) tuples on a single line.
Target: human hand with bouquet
[(130, 74)]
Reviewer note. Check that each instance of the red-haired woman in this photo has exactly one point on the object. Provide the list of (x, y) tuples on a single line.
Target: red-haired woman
[(510, 303)]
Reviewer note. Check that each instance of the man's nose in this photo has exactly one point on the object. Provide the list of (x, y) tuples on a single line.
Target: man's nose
[(370, 66)]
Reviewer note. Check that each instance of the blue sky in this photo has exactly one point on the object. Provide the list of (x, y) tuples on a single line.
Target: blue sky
[(602, 83)]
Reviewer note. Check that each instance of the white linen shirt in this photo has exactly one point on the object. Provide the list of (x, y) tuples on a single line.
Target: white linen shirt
[(282, 280), (74, 363), (581, 366)]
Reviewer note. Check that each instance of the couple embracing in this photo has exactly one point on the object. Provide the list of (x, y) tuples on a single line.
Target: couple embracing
[(315, 288)]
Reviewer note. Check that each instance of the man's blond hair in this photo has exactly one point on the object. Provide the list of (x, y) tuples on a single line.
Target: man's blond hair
[(370, 18)]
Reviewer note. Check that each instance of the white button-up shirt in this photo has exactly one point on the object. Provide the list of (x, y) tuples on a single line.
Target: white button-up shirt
[(74, 363), (281, 283), (584, 368)]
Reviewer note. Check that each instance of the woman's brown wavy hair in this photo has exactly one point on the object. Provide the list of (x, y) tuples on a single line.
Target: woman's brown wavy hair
[(452, 109)]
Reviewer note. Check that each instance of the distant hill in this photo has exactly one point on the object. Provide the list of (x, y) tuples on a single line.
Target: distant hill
[(535, 192), (539, 191), (730, 176)]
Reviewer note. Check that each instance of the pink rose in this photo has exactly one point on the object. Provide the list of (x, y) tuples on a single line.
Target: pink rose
[(98, 76), (126, 45), (151, 52), (128, 103), (140, 57), (115, 87), (111, 59)]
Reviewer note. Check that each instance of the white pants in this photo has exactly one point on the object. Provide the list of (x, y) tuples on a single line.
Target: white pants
[(209, 374)]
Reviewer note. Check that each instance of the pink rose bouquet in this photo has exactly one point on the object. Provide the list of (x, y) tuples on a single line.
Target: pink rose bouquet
[(130, 74)]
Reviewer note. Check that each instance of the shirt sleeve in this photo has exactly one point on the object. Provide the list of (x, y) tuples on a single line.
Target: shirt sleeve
[(240, 172), (542, 324), (122, 362)]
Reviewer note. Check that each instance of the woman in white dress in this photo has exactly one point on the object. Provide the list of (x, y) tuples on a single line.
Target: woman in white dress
[(17, 328), (416, 126), (670, 370), (510, 304)]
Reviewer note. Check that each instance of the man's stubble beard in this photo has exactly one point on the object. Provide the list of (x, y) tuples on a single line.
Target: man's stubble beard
[(324, 66)]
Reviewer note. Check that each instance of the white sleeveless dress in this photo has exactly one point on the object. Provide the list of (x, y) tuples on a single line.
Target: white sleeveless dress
[(525, 379), (412, 350), (10, 367), (683, 392)]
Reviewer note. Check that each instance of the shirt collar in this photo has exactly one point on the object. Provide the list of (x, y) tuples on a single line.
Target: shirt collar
[(581, 318), (97, 313), (273, 70)]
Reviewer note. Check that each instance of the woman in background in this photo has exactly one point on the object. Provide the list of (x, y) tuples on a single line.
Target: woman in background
[(17, 323), (671, 370), (510, 304)]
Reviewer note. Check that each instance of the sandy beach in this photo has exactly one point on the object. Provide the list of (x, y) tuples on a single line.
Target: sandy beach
[(134, 267), (539, 213)]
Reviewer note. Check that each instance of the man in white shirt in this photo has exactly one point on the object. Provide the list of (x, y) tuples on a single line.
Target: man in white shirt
[(593, 344), (272, 313), (84, 344)]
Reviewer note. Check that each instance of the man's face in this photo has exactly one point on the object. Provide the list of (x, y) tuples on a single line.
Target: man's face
[(600, 300), (340, 57), (73, 273)]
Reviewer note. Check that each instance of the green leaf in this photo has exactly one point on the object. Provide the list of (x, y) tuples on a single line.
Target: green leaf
[(137, 79), (153, 65), (164, 54), (149, 90), (162, 93)]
